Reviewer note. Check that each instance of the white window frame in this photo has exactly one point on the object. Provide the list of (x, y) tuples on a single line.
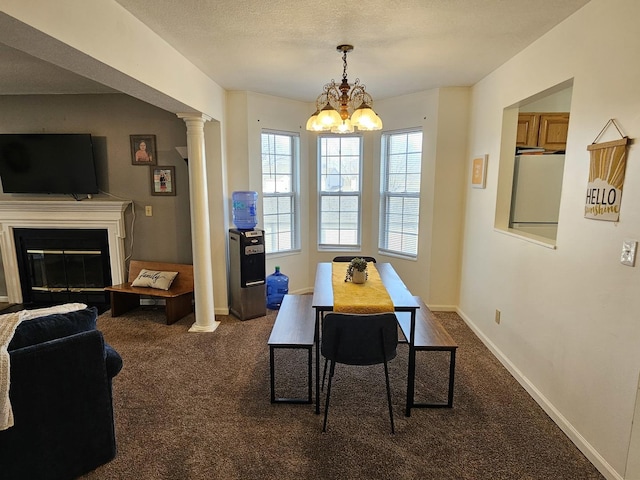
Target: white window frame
[(292, 197), (405, 232), (340, 196)]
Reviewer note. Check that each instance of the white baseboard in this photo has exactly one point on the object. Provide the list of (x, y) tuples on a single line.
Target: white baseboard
[(583, 445), (302, 291), (4, 298), (443, 308)]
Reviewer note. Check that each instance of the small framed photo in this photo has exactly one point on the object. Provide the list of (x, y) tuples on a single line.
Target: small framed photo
[(479, 171), (143, 150), (163, 180)]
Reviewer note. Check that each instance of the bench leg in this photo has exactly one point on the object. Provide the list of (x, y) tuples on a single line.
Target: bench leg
[(272, 374), (178, 307), (123, 302), (411, 370), (452, 372), (316, 341), (452, 369)]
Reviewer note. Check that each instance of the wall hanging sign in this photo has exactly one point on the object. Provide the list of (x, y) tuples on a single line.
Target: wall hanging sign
[(606, 177)]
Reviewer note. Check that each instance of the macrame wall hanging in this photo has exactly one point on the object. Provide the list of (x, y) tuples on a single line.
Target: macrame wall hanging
[(606, 177)]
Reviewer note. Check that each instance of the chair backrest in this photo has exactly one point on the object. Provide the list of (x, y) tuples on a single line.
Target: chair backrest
[(359, 339), (348, 259)]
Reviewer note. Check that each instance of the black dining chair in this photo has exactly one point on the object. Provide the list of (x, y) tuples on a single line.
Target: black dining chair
[(349, 258), (353, 339)]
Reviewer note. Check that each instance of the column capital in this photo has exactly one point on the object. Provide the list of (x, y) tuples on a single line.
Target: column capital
[(194, 116)]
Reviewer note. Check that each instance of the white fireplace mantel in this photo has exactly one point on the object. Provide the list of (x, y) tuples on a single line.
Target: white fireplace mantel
[(67, 214)]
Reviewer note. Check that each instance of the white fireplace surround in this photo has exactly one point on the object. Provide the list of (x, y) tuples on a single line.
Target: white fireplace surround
[(67, 214)]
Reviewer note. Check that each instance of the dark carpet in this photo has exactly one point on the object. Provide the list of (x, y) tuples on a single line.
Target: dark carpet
[(196, 406)]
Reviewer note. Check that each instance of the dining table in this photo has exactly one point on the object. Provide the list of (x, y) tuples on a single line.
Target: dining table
[(401, 298)]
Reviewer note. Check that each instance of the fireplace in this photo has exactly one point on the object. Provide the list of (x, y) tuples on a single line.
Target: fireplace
[(63, 265), (63, 222)]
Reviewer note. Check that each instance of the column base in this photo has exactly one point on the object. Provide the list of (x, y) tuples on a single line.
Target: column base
[(204, 328)]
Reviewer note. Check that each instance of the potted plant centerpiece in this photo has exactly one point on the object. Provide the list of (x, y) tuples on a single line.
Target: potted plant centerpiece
[(357, 270)]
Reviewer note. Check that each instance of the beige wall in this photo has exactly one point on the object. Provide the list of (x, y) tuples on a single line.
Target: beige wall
[(110, 119), (569, 327), (249, 114), (442, 115)]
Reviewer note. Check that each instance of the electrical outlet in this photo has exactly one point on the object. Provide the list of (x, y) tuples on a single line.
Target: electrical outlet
[(148, 211), (628, 255), (498, 317)]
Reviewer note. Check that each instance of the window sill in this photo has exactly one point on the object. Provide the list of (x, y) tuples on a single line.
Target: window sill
[(528, 237), (387, 253), (283, 253)]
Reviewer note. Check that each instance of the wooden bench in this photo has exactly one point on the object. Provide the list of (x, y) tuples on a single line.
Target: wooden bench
[(294, 328), (430, 336), (178, 299)]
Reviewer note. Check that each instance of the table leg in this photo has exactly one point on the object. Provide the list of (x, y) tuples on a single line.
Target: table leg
[(452, 372), (411, 374)]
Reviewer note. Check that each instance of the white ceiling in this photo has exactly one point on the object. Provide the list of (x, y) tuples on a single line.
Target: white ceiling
[(288, 49)]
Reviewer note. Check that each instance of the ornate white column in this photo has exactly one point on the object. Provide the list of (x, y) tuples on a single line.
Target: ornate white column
[(200, 224)]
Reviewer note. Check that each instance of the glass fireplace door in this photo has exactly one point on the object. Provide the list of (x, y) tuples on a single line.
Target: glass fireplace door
[(79, 273)]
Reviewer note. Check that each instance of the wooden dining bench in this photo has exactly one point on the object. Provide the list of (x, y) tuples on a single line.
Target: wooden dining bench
[(178, 299), (430, 336), (294, 328)]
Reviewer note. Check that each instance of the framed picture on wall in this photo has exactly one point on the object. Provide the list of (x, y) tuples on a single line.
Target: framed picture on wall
[(143, 149), (479, 171), (163, 180)]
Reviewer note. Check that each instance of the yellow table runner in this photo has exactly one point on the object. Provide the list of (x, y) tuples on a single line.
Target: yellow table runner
[(368, 297)]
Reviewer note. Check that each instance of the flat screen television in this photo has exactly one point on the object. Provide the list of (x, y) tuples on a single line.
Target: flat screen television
[(47, 163)]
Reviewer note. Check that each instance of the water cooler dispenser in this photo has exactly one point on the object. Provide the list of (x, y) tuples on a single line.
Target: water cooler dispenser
[(247, 290)]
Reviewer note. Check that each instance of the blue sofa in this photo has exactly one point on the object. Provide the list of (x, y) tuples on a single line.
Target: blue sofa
[(60, 391)]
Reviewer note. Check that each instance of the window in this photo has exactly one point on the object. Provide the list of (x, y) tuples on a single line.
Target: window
[(339, 191), (400, 192), (279, 191)]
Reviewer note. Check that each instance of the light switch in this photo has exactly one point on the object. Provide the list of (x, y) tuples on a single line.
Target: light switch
[(628, 255), (148, 211)]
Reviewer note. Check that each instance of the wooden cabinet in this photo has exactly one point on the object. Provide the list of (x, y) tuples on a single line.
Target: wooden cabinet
[(528, 124), (546, 130)]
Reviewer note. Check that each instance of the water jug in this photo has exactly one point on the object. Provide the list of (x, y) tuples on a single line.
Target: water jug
[(245, 210), (277, 288)]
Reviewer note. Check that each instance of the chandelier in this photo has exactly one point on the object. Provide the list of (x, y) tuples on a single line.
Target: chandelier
[(342, 108)]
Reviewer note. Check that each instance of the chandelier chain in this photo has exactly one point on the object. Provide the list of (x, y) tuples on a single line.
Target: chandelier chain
[(344, 63)]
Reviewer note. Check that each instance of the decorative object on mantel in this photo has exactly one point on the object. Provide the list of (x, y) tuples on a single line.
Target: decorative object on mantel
[(341, 108), (606, 177), (143, 149), (357, 271), (479, 171), (163, 180)]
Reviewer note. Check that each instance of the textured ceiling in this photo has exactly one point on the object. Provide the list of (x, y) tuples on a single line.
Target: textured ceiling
[(287, 48)]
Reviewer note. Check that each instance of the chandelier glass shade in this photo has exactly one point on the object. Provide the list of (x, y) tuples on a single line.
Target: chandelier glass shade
[(345, 107)]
